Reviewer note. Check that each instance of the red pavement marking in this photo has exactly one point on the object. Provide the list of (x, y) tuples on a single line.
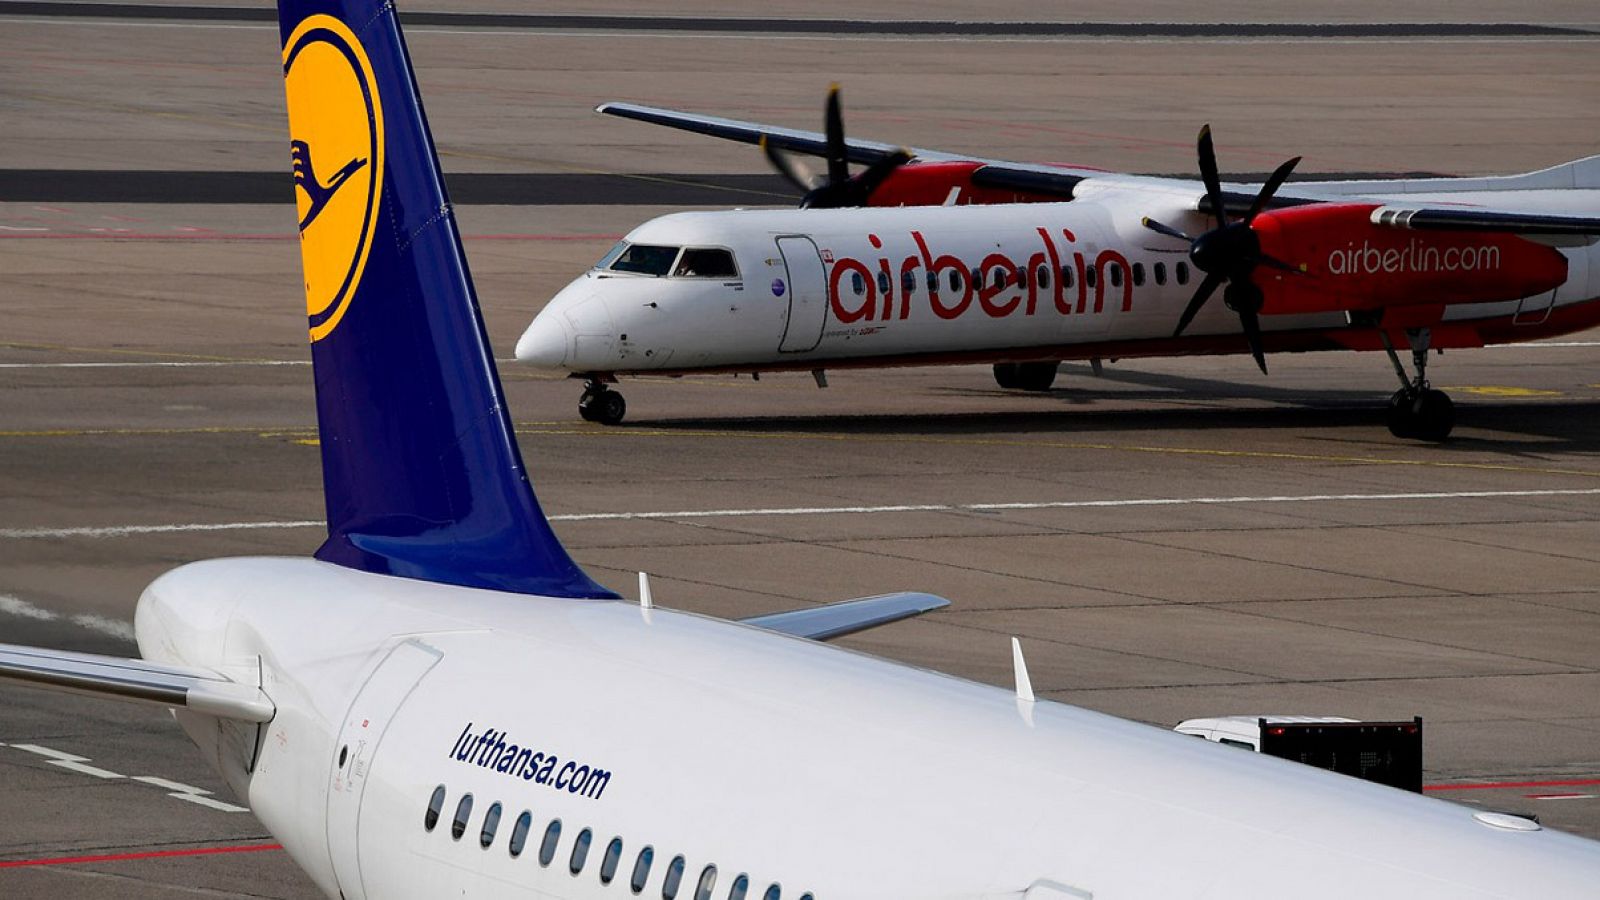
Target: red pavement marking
[(150, 854), (1495, 785)]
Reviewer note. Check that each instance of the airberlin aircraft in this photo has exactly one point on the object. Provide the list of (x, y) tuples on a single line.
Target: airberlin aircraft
[(978, 261), (440, 703)]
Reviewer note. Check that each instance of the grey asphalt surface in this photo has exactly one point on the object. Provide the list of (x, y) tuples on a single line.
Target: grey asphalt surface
[(1323, 585)]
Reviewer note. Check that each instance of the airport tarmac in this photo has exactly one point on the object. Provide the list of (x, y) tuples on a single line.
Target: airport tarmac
[(1172, 539)]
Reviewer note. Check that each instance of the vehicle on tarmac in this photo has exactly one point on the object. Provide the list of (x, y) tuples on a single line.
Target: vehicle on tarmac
[(442, 703), (1384, 752), (928, 258)]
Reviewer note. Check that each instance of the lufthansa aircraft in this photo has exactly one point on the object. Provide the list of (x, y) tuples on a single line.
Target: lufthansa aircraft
[(441, 703), (1024, 266)]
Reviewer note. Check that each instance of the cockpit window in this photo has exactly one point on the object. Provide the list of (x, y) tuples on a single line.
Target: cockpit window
[(706, 262), (645, 259), (611, 255)]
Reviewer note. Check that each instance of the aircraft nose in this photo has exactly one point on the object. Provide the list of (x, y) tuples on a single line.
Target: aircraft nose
[(545, 342)]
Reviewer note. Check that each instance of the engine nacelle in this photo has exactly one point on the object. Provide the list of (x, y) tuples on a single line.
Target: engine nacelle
[(1349, 263)]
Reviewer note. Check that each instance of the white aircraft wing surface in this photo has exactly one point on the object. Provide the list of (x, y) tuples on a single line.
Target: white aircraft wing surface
[(833, 620), (136, 680)]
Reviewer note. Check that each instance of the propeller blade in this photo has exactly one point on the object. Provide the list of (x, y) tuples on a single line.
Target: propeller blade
[(838, 164), (790, 168), (1208, 174), (875, 174), (1271, 187), (1167, 230), (1201, 295), (1252, 333)]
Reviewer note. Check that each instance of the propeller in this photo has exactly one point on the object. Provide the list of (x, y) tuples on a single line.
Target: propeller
[(837, 189), (1229, 252)]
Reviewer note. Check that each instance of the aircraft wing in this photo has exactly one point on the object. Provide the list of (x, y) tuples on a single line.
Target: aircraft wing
[(135, 680), (811, 143), (833, 620)]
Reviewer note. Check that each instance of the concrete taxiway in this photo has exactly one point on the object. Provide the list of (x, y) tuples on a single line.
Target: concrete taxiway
[(1173, 539)]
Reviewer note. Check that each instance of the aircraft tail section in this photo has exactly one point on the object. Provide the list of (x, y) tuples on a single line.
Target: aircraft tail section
[(421, 469)]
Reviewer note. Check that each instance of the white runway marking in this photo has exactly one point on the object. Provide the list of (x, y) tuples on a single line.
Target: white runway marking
[(16, 606), (69, 761), (127, 530), (195, 364), (189, 793)]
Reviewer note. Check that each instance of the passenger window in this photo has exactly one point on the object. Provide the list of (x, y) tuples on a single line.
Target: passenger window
[(773, 893), (1043, 277), (933, 282), (641, 869), (608, 863), (463, 811), (977, 277), (955, 280), (807, 896), (519, 833), (1116, 274), (1022, 277), (908, 281), (1161, 273), (552, 837), (491, 823), (1183, 273), (999, 277), (1066, 276), (669, 884), (1090, 275), (741, 887), (883, 282), (580, 851), (708, 883), (706, 263), (645, 259), (1138, 274), (435, 805), (857, 283)]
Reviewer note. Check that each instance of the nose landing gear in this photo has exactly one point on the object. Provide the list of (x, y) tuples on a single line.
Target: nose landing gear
[(601, 404), (1417, 410)]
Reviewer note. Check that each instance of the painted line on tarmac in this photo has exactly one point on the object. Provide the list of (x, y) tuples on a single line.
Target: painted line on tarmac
[(1502, 785), (127, 857), (16, 606), (177, 790), (1134, 502), (158, 365)]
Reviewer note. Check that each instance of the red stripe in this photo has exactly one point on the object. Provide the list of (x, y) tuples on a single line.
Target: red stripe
[(149, 854), (1494, 785)]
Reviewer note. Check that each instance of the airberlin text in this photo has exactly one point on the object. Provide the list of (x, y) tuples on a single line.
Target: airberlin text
[(1417, 256), (492, 750), (998, 285)]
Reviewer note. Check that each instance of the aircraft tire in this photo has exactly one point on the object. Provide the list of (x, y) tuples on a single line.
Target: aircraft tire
[(1036, 376), (1435, 416), (604, 407), (1005, 375)]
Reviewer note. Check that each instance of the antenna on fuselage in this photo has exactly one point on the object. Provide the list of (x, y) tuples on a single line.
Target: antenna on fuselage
[(646, 601)]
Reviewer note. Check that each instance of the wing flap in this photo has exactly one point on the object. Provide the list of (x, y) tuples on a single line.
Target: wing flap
[(833, 620), (135, 680)]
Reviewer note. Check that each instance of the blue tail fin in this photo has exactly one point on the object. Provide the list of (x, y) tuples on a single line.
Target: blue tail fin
[(420, 467)]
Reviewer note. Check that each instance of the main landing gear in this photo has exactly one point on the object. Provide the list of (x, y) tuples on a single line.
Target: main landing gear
[(1030, 376), (1417, 410), (601, 404)]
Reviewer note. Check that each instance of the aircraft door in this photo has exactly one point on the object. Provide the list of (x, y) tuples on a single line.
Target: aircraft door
[(369, 716), (808, 294)]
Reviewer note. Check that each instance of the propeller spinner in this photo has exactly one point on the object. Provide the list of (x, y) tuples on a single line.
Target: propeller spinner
[(837, 189), (1229, 252)]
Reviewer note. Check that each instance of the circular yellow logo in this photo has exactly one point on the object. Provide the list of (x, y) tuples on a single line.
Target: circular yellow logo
[(336, 145)]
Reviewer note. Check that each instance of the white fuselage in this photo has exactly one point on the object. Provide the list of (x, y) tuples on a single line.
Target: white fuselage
[(821, 288), (821, 770)]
